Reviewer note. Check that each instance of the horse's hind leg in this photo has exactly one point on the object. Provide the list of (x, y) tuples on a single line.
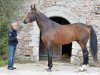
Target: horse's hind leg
[(85, 56)]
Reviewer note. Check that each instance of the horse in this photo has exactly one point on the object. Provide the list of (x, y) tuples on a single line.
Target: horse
[(53, 33)]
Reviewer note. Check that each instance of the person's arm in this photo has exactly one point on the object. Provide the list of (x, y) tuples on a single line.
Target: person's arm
[(10, 38)]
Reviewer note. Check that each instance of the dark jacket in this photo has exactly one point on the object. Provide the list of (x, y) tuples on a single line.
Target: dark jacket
[(12, 40)]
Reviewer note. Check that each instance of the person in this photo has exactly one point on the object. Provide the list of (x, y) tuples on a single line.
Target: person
[(12, 43)]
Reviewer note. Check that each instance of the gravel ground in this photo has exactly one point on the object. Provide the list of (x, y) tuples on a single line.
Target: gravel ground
[(38, 68)]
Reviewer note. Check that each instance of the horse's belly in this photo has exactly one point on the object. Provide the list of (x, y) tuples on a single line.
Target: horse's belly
[(62, 41)]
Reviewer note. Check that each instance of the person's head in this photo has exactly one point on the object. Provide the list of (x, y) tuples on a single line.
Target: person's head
[(14, 25)]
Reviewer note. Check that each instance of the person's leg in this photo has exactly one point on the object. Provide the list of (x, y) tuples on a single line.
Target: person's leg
[(14, 51), (10, 56)]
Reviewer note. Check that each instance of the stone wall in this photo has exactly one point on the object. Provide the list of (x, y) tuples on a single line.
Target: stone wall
[(84, 11)]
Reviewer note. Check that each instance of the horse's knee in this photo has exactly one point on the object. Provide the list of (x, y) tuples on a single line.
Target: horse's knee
[(50, 54)]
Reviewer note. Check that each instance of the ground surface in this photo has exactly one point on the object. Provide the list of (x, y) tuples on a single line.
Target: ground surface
[(38, 68)]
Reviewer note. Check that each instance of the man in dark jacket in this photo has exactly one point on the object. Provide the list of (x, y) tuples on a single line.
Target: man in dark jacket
[(12, 43)]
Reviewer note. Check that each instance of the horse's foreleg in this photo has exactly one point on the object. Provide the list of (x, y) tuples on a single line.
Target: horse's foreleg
[(49, 58), (85, 59)]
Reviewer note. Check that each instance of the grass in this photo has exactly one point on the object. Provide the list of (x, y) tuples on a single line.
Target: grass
[(7, 15), (3, 63)]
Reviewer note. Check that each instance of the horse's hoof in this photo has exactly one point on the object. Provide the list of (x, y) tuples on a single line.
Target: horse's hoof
[(83, 68), (49, 70)]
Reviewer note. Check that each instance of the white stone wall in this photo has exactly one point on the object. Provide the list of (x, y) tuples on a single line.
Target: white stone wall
[(35, 42), (72, 10)]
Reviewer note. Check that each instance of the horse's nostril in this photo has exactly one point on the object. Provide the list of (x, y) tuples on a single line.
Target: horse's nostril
[(25, 22)]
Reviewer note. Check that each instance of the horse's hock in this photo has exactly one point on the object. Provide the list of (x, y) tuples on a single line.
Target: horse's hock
[(31, 48)]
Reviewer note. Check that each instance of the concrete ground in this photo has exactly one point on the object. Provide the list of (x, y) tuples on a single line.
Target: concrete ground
[(38, 68)]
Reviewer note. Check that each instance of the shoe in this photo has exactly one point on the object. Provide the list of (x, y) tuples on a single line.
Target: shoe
[(10, 68)]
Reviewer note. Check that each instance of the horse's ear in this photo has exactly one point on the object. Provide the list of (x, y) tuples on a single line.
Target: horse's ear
[(34, 8)]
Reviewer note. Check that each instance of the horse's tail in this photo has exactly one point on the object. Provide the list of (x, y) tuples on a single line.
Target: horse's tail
[(93, 43)]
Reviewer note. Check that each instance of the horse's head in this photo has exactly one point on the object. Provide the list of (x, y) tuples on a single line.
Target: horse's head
[(31, 16)]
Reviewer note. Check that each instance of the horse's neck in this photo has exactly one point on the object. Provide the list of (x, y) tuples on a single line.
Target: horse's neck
[(44, 23)]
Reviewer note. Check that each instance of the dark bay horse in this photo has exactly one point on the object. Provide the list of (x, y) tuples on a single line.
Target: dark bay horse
[(53, 33)]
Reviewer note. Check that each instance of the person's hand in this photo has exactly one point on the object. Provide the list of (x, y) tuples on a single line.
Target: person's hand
[(17, 37)]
